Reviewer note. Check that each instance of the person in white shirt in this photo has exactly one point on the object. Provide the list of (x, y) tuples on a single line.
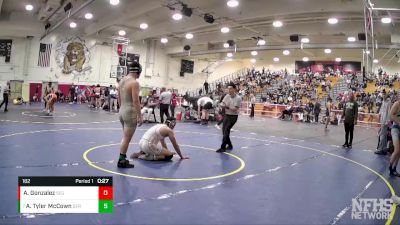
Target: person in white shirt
[(165, 101), (204, 104), (113, 99), (6, 92), (384, 113), (149, 143)]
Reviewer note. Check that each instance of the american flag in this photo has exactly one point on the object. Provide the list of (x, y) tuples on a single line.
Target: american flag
[(44, 55)]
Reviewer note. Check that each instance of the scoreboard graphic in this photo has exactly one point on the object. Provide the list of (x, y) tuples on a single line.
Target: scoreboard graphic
[(65, 195)]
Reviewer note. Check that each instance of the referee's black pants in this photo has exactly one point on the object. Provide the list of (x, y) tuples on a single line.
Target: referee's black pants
[(229, 122), (5, 101), (164, 109)]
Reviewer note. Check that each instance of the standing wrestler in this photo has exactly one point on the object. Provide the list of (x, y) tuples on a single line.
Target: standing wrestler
[(129, 113), (51, 99)]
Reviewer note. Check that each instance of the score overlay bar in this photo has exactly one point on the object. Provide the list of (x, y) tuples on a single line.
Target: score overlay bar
[(65, 195)]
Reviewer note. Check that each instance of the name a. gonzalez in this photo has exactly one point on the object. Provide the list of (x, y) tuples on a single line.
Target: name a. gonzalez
[(32, 192), (50, 206)]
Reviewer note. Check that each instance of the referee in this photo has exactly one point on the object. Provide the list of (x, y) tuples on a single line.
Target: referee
[(231, 103), (6, 92)]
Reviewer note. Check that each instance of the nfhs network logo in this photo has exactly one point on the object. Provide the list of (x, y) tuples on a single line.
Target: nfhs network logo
[(371, 208)]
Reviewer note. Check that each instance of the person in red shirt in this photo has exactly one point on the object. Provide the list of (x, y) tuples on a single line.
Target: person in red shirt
[(173, 104)]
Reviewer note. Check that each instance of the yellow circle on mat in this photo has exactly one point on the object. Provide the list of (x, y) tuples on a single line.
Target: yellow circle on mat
[(241, 167)]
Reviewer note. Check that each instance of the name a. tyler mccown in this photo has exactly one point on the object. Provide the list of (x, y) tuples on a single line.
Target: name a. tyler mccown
[(51, 206), (32, 192)]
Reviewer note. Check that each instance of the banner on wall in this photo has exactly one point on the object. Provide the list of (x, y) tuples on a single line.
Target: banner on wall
[(5, 49), (125, 60), (344, 67), (187, 66), (130, 58), (73, 57)]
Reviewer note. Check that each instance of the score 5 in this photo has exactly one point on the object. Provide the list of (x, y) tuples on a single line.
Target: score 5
[(105, 193)]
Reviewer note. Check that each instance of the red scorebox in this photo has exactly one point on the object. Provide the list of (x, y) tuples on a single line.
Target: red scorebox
[(105, 193)]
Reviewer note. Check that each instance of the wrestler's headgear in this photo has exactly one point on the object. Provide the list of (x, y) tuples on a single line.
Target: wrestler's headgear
[(135, 67), (170, 122)]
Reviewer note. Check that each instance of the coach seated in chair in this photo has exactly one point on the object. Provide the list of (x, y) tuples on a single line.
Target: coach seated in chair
[(148, 109), (288, 111)]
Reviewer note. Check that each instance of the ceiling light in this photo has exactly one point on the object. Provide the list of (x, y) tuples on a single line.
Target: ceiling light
[(261, 42), (254, 53), (338, 59), (232, 3), (386, 20), (143, 26), (328, 51), (277, 23), (88, 16), (72, 25), (286, 52), (305, 40), (276, 59), (29, 7), (225, 30), (226, 45), (253, 60), (333, 20), (351, 39), (229, 54), (367, 52), (121, 33), (376, 61), (114, 2), (177, 16), (305, 59), (189, 36), (164, 40)]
